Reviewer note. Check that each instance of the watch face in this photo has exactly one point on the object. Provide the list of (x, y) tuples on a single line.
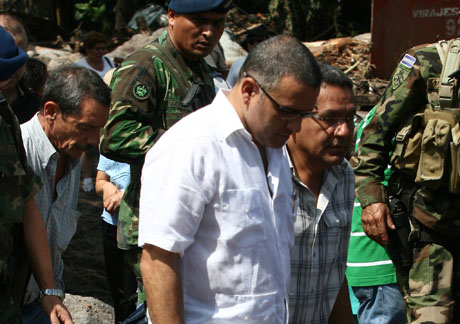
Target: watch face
[(52, 292)]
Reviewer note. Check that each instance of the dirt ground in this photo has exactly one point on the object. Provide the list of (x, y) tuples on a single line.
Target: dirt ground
[(84, 271)]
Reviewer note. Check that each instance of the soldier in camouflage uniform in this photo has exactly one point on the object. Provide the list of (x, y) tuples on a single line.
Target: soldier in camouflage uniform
[(430, 279), (22, 231), (154, 88)]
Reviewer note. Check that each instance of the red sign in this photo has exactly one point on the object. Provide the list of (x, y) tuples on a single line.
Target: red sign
[(399, 25)]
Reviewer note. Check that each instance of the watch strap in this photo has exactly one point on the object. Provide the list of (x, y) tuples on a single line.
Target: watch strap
[(51, 292)]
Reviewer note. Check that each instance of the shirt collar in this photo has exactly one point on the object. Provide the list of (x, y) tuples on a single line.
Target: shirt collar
[(330, 177), (45, 150), (228, 118), (330, 180)]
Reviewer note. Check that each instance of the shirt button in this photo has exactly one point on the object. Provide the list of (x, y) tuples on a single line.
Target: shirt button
[(246, 211), (246, 318)]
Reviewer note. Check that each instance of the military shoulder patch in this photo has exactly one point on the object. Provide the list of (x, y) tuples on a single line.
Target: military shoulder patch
[(403, 70), (399, 77), (408, 61), (141, 91)]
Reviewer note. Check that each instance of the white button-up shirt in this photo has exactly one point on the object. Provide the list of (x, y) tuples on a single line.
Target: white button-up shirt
[(205, 196), (60, 216)]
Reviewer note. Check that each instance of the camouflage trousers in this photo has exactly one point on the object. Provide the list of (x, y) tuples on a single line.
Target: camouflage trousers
[(431, 287), (134, 259)]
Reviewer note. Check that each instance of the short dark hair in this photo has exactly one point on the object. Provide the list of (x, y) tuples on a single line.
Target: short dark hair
[(35, 74), (332, 75), (279, 56), (92, 38), (69, 85)]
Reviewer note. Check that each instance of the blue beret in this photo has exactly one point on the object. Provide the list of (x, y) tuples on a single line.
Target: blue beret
[(12, 58), (194, 6)]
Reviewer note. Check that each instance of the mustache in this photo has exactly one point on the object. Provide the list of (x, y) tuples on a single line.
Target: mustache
[(337, 142)]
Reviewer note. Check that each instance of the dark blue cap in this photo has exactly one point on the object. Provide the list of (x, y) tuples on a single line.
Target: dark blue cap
[(194, 6), (12, 58)]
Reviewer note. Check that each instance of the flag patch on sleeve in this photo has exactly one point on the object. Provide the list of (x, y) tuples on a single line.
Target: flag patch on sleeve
[(408, 61)]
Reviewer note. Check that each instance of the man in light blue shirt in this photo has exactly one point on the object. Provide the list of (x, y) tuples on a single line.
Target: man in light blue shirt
[(75, 107)]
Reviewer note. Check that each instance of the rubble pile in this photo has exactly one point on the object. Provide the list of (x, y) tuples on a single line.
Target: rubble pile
[(352, 56), (240, 22)]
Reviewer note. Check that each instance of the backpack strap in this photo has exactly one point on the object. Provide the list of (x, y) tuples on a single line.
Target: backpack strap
[(442, 52), (449, 53), (175, 69), (109, 62)]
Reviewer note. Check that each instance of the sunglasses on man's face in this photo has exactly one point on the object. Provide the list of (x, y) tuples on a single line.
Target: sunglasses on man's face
[(285, 113)]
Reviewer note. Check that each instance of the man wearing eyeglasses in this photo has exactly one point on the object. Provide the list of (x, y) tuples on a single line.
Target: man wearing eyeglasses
[(217, 205), (324, 182)]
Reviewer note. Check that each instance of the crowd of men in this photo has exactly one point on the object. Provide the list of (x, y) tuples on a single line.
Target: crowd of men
[(235, 206)]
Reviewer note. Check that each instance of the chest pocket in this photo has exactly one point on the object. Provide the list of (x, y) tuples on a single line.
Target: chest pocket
[(174, 111), (242, 222), (335, 229), (338, 212), (340, 219)]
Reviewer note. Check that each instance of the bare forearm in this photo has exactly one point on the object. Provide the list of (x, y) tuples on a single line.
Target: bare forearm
[(341, 312), (101, 180), (37, 245), (162, 285), (39, 253)]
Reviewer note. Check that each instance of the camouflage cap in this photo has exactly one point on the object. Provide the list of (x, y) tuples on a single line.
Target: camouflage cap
[(194, 6)]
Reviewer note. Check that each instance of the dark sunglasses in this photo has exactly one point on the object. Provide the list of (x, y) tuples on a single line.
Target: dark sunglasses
[(285, 113)]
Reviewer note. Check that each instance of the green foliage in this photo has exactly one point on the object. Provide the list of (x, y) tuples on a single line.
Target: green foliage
[(311, 20), (95, 14)]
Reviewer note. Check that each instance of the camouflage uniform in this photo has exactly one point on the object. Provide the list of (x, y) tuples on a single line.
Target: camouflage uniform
[(431, 286), (18, 184), (147, 100)]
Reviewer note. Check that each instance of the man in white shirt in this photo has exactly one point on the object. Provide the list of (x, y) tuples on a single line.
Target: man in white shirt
[(324, 182), (75, 106), (216, 206)]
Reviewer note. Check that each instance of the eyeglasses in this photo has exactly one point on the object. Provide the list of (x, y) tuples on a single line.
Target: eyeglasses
[(334, 122), (285, 113)]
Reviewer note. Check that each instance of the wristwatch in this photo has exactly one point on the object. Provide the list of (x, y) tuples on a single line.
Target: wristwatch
[(51, 292)]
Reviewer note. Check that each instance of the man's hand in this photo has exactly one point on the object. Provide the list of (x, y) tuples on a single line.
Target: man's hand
[(40, 259), (56, 310), (376, 218), (111, 197)]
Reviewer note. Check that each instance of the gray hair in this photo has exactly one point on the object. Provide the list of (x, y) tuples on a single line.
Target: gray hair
[(69, 85), (332, 75), (280, 56)]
